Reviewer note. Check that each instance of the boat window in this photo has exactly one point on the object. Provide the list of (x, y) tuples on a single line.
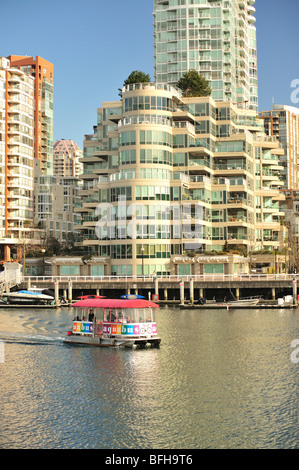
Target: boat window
[(127, 315)]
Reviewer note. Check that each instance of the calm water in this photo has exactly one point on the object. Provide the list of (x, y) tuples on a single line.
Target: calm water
[(221, 379)]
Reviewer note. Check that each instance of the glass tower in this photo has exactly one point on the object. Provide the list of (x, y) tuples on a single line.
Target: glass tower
[(215, 37)]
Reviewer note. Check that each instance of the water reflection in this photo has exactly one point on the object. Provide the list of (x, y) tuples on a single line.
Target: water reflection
[(219, 380)]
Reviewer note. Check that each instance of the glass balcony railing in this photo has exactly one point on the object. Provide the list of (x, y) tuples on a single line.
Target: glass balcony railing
[(199, 162), (151, 86), (237, 236), (144, 119), (228, 166), (237, 200)]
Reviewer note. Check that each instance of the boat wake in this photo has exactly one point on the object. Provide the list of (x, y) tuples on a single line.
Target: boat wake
[(30, 339)]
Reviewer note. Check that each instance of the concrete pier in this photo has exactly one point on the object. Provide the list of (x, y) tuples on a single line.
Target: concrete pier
[(269, 287)]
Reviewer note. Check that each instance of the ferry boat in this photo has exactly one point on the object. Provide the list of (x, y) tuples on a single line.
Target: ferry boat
[(114, 322)]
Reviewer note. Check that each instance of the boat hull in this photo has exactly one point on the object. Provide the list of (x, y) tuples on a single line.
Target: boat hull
[(241, 303), (27, 297), (226, 305), (102, 341)]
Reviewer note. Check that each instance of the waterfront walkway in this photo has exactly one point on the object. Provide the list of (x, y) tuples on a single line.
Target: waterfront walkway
[(163, 286)]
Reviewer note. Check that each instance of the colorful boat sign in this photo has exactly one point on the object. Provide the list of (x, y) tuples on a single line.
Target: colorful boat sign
[(83, 327), (117, 329), (135, 329)]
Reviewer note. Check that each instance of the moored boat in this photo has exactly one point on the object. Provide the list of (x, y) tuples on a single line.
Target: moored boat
[(27, 297), (114, 322), (246, 302)]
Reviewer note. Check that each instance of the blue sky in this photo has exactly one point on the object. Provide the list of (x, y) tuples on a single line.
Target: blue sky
[(95, 44)]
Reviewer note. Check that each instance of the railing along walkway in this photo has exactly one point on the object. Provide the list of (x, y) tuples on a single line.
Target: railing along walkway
[(170, 278)]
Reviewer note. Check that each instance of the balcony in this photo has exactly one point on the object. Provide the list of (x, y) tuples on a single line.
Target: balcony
[(184, 125), (15, 76), (151, 86), (201, 162), (200, 179), (144, 119), (14, 98), (237, 200), (237, 220), (236, 236), (229, 167)]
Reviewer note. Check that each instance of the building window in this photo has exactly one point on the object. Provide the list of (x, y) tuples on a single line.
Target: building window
[(97, 270), (70, 270), (184, 269), (214, 268)]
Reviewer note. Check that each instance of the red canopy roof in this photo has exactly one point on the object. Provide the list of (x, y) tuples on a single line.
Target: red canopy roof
[(115, 303)]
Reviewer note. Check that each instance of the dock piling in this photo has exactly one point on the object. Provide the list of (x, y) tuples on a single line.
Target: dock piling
[(56, 284), (70, 288), (156, 286), (295, 300), (182, 292), (191, 291)]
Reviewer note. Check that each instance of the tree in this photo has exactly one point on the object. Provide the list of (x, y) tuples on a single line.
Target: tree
[(225, 247), (137, 76), (53, 246), (194, 84)]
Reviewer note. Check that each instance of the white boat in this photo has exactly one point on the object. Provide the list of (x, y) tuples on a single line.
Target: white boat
[(26, 296), (237, 303), (246, 302), (114, 322)]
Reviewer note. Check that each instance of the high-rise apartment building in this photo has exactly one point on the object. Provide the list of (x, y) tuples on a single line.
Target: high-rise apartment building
[(66, 158), (43, 73), (16, 157), (215, 37), (283, 123), (165, 175), (55, 200)]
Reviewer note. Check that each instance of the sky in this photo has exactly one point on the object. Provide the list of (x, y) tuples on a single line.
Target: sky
[(95, 45)]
